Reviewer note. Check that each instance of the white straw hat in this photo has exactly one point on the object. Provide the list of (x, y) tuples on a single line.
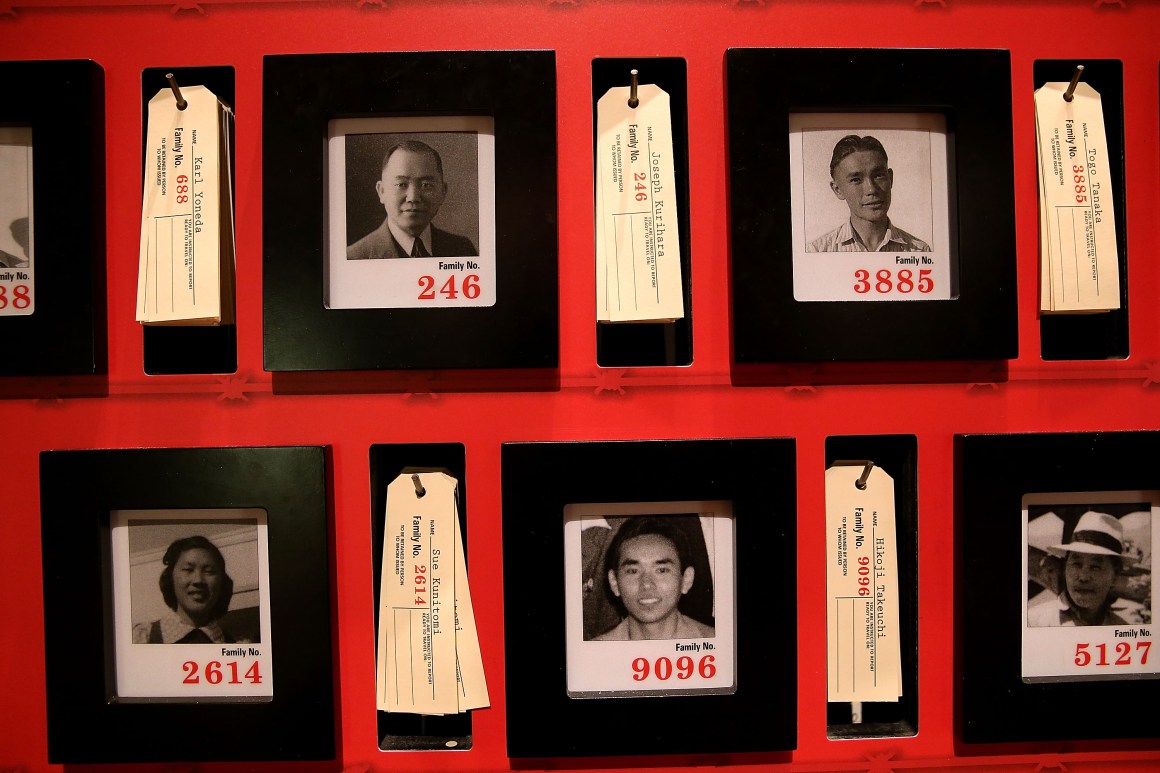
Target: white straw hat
[(1097, 533)]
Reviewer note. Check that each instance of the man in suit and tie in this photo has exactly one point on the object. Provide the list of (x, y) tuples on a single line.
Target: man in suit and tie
[(411, 190)]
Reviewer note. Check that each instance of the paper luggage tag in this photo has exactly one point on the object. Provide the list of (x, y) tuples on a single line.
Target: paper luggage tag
[(186, 267), (429, 658), (1080, 270), (863, 660), (638, 254)]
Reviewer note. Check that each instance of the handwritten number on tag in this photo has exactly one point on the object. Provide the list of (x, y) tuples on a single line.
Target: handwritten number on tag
[(20, 297)]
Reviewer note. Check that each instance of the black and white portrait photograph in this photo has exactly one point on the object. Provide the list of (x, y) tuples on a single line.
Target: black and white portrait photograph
[(649, 598), (646, 577), (16, 220), (411, 220), (870, 206), (196, 580), (1088, 585)]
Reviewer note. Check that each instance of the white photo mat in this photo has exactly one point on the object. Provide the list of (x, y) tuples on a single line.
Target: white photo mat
[(1094, 652), (916, 147), (410, 282), (597, 669), (229, 672)]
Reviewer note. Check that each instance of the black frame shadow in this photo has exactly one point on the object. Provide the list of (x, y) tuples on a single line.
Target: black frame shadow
[(78, 489), (759, 477), (518, 336), (996, 712), (845, 341), (66, 334)]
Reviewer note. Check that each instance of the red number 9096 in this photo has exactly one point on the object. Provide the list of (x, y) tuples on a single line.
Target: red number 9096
[(663, 668)]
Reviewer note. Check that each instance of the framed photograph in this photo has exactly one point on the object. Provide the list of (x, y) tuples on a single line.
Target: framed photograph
[(423, 187), (874, 196), (416, 170), (1088, 576), (1055, 535), (17, 277), (643, 625), (198, 578), (649, 598), (52, 280), (187, 588), (850, 172)]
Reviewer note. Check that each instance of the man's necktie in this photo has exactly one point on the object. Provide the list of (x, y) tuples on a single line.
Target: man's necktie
[(418, 250)]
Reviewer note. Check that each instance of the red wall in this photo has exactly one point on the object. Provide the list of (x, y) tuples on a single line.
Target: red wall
[(698, 401)]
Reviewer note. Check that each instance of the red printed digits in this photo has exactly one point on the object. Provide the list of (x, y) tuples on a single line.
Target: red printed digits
[(663, 669), (641, 189), (469, 288), (863, 575), (1124, 654), (887, 282), (213, 672), (20, 297)]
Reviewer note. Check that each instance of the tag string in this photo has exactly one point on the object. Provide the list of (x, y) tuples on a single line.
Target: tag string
[(181, 103), (1069, 95), (632, 85), (419, 490)]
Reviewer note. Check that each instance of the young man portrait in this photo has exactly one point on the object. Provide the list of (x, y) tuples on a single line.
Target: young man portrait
[(860, 176), (649, 572)]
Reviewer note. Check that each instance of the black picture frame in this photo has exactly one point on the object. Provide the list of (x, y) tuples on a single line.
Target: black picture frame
[(302, 93), (758, 476), (66, 334), (995, 710), (1094, 336), (78, 490), (972, 89)]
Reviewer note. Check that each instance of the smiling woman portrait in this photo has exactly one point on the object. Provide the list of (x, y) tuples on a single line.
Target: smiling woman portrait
[(197, 590)]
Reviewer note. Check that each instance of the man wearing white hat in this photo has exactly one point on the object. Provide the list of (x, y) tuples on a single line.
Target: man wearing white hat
[(1092, 562)]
